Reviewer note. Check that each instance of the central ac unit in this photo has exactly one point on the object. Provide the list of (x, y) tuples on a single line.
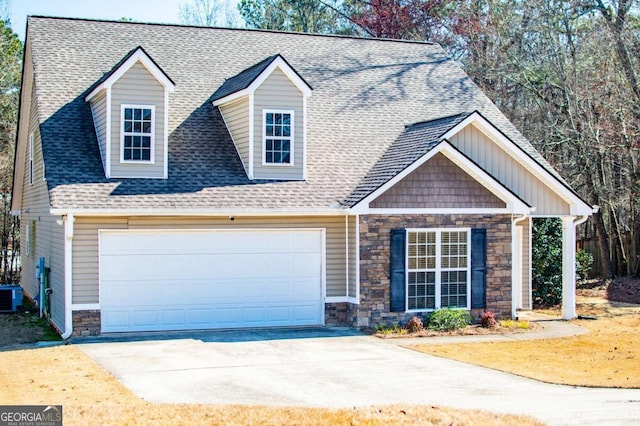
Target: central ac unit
[(10, 298)]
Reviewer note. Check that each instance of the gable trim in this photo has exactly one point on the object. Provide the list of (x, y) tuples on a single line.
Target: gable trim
[(513, 203), (108, 134), (577, 206), (138, 55), (280, 63)]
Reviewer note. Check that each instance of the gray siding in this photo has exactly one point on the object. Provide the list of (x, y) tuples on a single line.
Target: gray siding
[(46, 235), (438, 183), (99, 113), (475, 145), (277, 92), (138, 87), (85, 244), (236, 117)]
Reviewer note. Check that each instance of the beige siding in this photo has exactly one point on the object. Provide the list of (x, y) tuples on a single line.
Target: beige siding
[(46, 234), (85, 256), (438, 183), (353, 258), (278, 92), (236, 117), (99, 113), (137, 87), (475, 145), (85, 244), (526, 263)]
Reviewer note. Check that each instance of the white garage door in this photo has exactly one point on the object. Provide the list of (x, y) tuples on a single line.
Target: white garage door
[(184, 280)]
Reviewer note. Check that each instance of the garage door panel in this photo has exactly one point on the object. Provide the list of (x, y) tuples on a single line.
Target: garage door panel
[(191, 280)]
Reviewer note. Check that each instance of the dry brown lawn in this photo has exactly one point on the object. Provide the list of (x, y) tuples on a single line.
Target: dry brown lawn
[(607, 356), (90, 395)]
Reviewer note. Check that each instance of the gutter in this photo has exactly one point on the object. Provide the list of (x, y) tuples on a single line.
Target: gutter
[(68, 276), (337, 211)]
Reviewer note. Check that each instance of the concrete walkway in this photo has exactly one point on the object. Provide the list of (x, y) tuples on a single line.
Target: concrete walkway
[(345, 372)]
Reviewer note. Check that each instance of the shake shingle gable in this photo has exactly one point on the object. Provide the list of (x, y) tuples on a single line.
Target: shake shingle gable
[(365, 92)]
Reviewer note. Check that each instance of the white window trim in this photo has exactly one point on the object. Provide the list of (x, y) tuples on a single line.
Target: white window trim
[(438, 268), (153, 133), (291, 137), (31, 158)]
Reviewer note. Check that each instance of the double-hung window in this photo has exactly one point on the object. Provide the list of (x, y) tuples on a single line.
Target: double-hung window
[(438, 269), (278, 137), (137, 133)]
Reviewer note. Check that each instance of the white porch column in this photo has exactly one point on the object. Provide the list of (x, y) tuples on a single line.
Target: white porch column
[(568, 268)]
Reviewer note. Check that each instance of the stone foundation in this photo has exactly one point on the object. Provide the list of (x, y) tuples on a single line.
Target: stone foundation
[(375, 233), (86, 323)]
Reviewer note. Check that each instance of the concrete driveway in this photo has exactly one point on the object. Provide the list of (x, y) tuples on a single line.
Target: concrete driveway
[(344, 371)]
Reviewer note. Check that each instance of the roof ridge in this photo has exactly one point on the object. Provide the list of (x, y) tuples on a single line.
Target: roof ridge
[(254, 30)]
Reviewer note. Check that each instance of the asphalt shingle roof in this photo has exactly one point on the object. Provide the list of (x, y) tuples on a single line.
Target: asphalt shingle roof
[(365, 92), (415, 141), (243, 79)]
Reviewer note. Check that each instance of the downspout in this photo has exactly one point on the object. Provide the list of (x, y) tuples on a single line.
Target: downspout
[(514, 223), (68, 277)]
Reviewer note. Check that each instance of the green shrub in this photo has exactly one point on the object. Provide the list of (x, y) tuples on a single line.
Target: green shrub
[(449, 319), (547, 261), (387, 329), (584, 262)]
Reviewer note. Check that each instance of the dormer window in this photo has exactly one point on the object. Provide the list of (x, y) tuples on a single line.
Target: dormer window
[(278, 137), (130, 109), (265, 110), (137, 133)]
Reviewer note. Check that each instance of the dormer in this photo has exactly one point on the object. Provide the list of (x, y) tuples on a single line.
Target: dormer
[(264, 108), (130, 108)]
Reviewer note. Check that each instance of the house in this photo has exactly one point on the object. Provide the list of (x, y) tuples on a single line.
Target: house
[(171, 177)]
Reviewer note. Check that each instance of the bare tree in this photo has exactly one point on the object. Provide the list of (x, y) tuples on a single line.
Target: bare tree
[(210, 13)]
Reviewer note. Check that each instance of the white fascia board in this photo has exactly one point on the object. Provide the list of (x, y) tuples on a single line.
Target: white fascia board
[(145, 60), (436, 211), (197, 212), (577, 206), (277, 63), (514, 204), (232, 97)]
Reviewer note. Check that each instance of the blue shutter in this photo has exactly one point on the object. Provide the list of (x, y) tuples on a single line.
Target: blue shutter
[(478, 268), (397, 275)]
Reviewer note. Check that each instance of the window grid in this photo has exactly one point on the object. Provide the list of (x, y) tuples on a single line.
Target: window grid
[(137, 129), (278, 137), (437, 269)]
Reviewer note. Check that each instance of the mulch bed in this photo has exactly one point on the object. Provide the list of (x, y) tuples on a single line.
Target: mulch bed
[(623, 289)]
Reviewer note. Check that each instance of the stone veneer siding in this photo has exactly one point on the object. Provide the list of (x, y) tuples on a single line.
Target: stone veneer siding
[(375, 233), (86, 323)]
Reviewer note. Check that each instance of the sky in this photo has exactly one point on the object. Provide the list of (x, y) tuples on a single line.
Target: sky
[(165, 11)]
